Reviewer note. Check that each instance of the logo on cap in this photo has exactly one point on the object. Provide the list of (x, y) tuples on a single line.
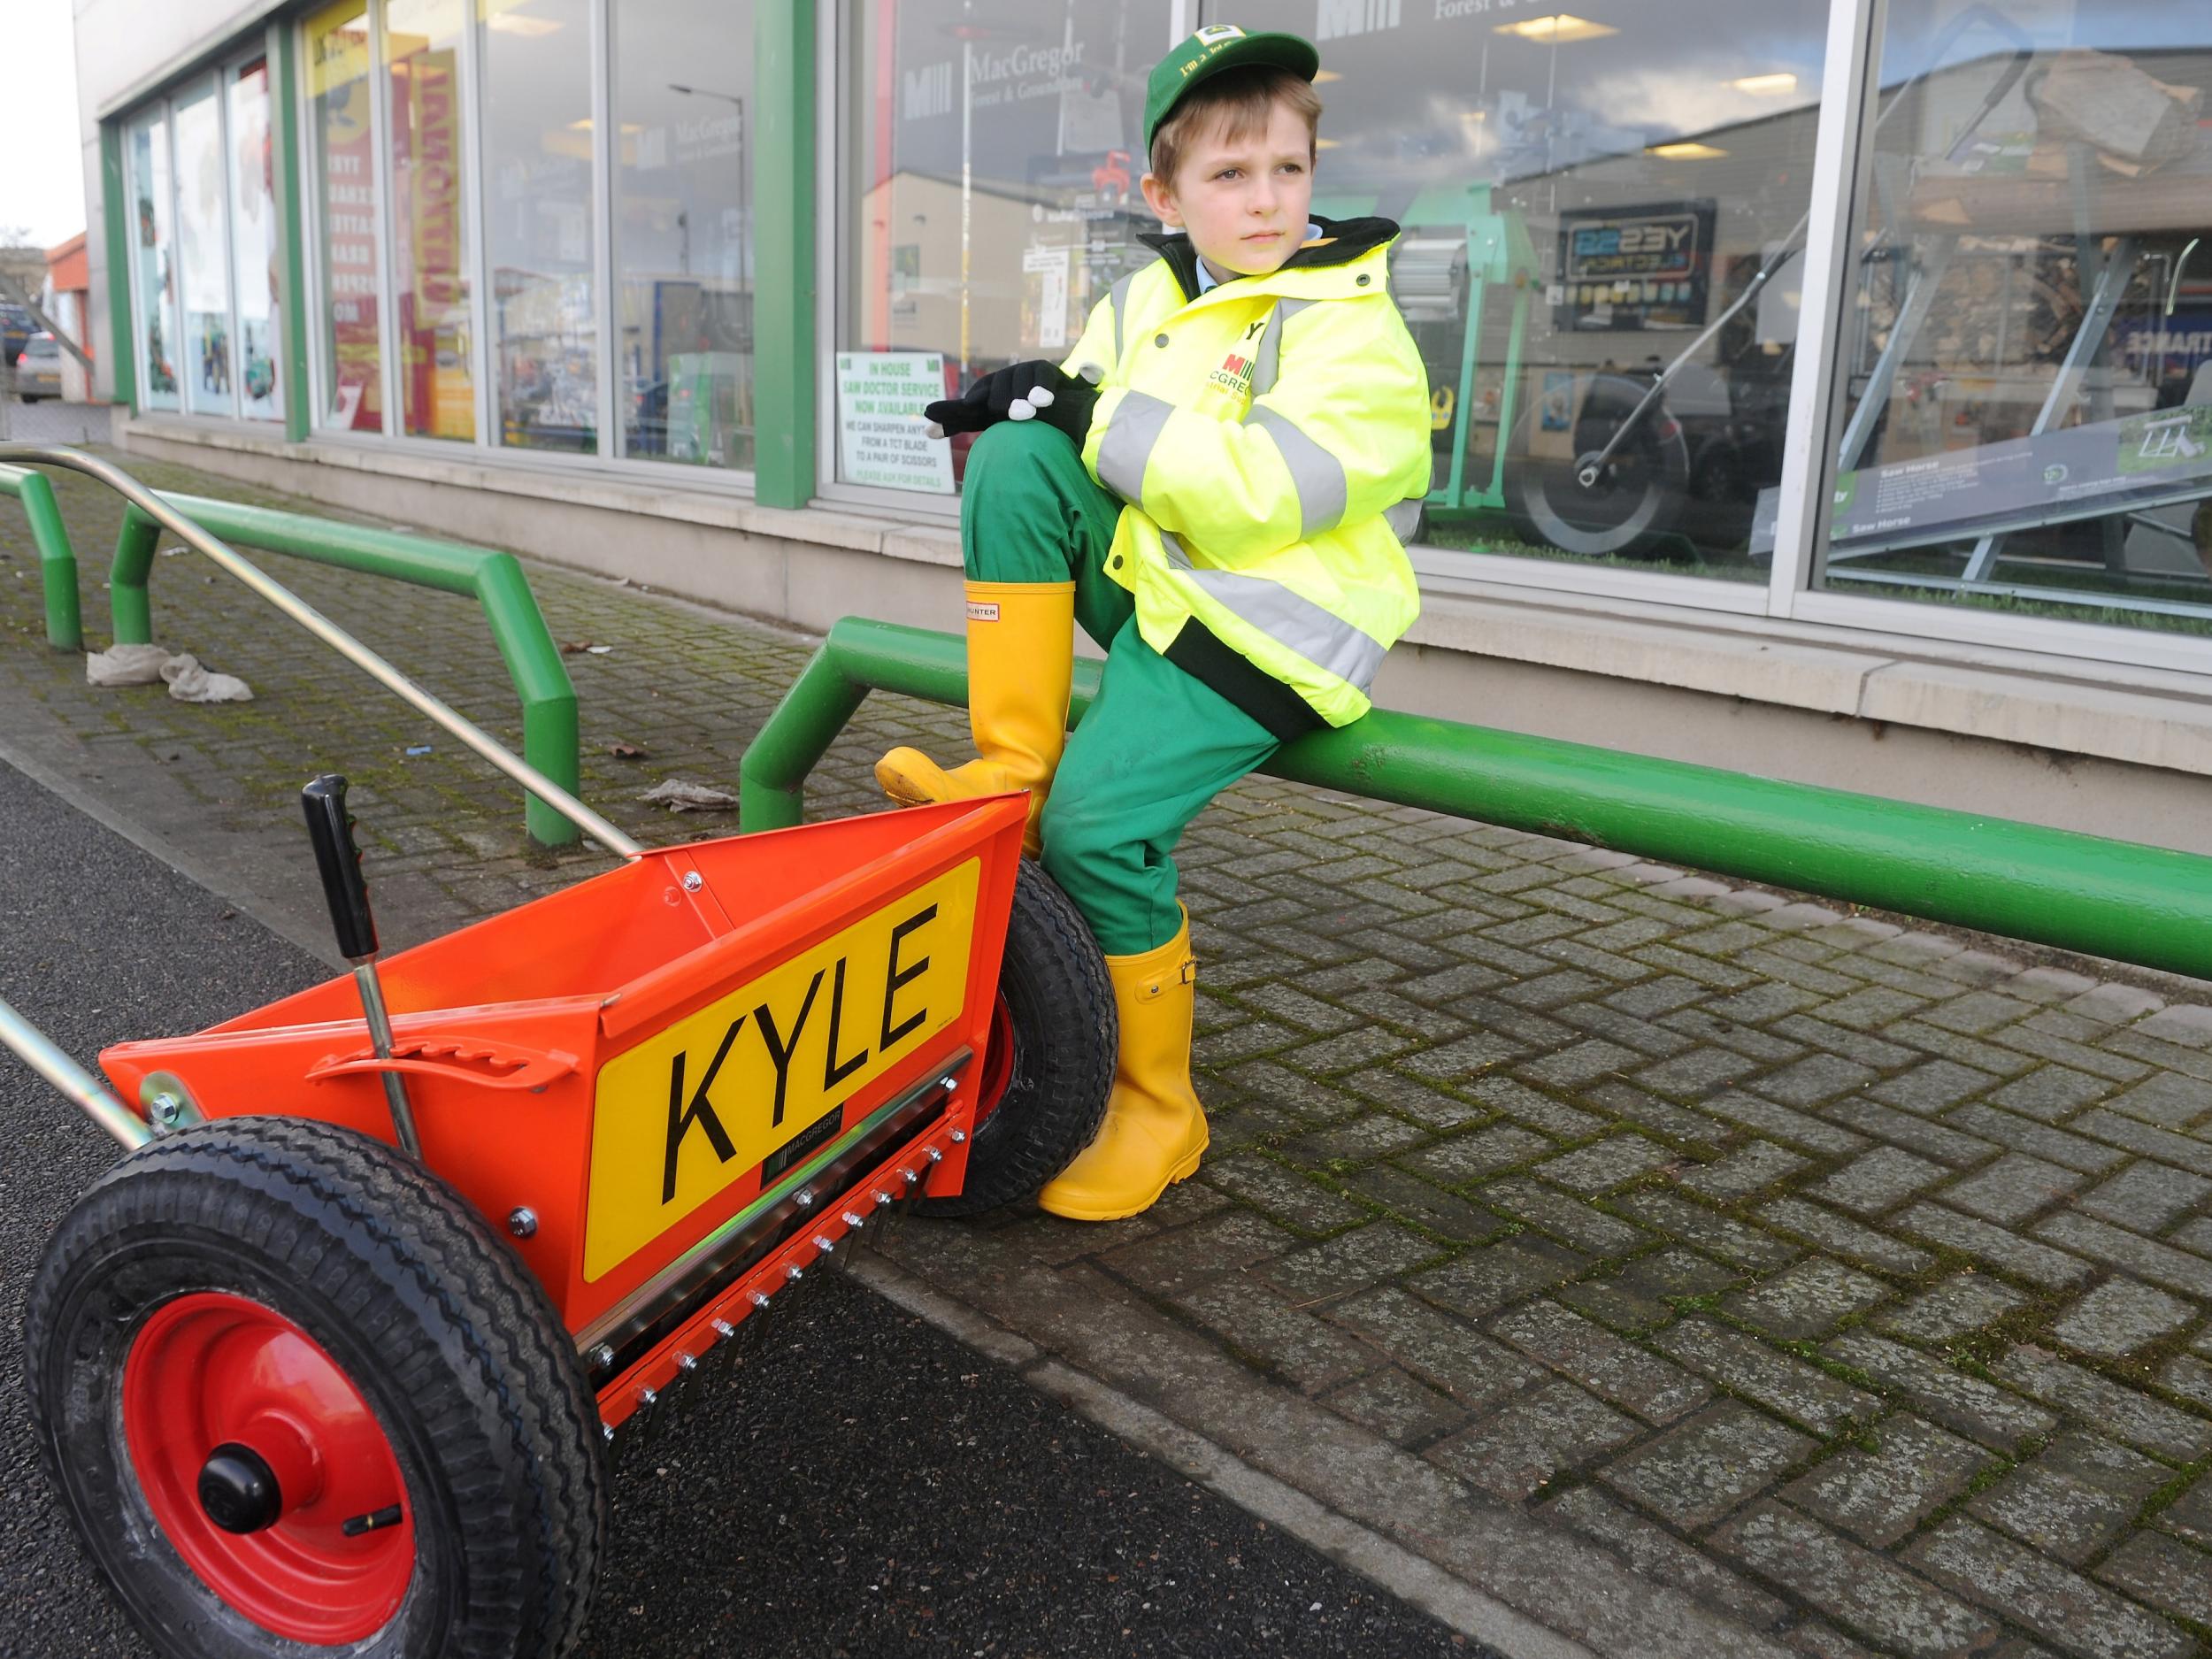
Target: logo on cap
[(1214, 34)]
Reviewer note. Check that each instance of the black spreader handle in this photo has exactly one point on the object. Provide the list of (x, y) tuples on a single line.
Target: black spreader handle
[(338, 861)]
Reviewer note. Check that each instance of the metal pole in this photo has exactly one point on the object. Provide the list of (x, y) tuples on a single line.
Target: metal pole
[(71, 1079), (331, 634), (380, 1041)]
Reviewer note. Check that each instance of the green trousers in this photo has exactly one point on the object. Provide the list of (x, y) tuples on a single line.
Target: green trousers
[(1157, 745)]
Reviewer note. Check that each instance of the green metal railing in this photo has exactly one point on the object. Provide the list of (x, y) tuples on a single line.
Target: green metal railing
[(2105, 898), (492, 579), (56, 559)]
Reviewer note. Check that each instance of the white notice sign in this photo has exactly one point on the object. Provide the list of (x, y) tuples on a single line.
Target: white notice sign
[(1050, 265), (880, 437)]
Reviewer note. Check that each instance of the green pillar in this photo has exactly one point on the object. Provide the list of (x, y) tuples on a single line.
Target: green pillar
[(115, 204), (782, 161), (292, 223)]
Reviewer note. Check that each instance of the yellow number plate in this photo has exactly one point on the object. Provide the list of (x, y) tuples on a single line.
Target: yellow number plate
[(702, 1105)]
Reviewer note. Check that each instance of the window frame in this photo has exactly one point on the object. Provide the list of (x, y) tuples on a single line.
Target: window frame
[(835, 44), (605, 459), (226, 73), (1853, 102), (152, 113)]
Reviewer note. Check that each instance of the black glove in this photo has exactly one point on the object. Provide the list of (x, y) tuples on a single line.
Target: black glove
[(1033, 390)]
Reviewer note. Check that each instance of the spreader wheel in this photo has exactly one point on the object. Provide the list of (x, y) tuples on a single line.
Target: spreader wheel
[(296, 1396), (1048, 1066)]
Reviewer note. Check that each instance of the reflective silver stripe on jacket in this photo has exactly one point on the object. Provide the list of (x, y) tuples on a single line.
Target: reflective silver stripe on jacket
[(1268, 363), (1119, 293), (1318, 635), (1177, 558), (1404, 518), (1323, 491), (1130, 436)]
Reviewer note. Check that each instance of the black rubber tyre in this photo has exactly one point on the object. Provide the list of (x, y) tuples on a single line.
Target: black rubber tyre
[(451, 1343), (1060, 1018), (1636, 502)]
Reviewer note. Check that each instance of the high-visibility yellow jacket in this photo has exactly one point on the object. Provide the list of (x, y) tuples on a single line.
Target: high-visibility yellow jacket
[(1270, 438)]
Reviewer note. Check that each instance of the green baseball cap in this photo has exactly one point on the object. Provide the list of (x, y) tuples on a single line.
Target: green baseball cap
[(1217, 47)]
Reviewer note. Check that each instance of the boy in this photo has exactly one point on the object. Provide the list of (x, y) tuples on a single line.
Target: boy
[(1214, 484)]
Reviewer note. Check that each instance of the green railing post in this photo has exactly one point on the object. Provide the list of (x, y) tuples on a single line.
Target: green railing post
[(772, 775), (134, 562), (57, 558), (550, 740), (2150, 905)]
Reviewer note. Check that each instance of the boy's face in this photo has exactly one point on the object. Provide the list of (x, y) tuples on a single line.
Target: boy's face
[(1244, 204)]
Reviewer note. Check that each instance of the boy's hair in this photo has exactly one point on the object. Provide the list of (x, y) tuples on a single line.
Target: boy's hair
[(1240, 100)]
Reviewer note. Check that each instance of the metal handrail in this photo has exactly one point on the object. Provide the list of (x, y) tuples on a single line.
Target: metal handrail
[(2150, 905), (148, 502)]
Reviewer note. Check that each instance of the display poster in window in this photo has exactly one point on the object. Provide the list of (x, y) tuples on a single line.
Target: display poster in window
[(1635, 268), (1045, 289), (2158, 458), (881, 436), (338, 80)]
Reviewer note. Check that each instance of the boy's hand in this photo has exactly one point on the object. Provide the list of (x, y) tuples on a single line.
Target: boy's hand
[(1033, 390)]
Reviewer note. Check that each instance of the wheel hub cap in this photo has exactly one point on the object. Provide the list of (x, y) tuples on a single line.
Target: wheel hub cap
[(238, 1489), (258, 1458)]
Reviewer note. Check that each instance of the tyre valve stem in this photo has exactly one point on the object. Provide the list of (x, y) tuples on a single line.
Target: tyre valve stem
[(374, 1521)]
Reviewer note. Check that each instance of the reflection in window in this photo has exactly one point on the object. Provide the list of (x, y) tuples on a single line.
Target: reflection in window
[(342, 173), (994, 153), (2028, 354), (254, 242), (683, 230), (540, 219), (203, 262), (1587, 201), (152, 246), (422, 46)]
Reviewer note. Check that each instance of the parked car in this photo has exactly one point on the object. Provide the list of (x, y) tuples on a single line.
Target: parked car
[(17, 325), (38, 371)]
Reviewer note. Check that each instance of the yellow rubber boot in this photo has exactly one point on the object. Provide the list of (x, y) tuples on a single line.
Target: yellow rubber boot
[(1155, 1129), (1021, 662)]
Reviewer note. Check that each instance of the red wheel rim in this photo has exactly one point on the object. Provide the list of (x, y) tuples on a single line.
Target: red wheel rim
[(211, 1369), (998, 1062)]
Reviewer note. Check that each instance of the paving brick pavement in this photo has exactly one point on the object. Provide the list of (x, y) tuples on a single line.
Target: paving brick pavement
[(1695, 1268)]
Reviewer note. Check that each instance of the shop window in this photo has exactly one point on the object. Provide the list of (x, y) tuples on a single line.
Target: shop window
[(2026, 368), (255, 244), (993, 149), (429, 226), (202, 253), (541, 220), (683, 230), (153, 253), (342, 173), (1602, 215)]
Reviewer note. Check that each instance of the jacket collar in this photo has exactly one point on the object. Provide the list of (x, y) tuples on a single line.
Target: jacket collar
[(1342, 242)]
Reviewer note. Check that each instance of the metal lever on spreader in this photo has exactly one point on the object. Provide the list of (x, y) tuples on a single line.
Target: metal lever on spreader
[(338, 861)]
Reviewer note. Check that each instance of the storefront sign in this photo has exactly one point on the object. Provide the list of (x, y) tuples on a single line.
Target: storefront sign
[(880, 439), (1641, 268)]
